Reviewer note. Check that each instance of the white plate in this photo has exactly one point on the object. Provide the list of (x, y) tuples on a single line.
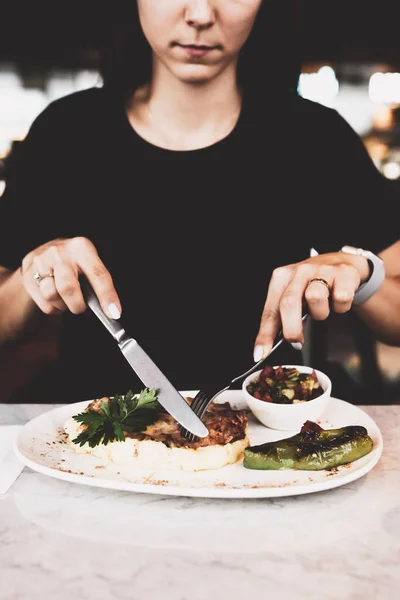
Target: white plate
[(41, 446)]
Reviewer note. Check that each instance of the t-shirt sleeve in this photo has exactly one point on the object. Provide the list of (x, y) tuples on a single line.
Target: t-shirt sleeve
[(357, 204), (27, 205)]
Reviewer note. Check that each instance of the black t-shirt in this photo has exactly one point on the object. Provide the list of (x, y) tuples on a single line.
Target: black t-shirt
[(191, 238)]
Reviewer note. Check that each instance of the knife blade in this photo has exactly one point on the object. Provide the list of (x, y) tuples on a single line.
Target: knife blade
[(145, 367)]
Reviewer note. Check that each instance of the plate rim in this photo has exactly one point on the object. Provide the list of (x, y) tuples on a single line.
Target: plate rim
[(207, 491)]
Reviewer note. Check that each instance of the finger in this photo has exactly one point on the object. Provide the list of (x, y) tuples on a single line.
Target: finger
[(48, 290), (46, 264), (90, 264), (270, 319), (291, 304), (344, 287), (317, 295), (35, 292), (65, 292), (67, 287)]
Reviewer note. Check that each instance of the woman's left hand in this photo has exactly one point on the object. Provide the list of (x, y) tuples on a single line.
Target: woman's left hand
[(317, 285)]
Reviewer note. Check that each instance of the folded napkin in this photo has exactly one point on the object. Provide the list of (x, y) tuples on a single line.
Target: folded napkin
[(10, 466)]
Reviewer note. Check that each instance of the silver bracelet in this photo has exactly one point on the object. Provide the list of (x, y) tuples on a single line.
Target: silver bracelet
[(376, 278)]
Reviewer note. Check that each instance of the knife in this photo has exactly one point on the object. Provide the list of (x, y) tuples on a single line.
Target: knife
[(145, 368)]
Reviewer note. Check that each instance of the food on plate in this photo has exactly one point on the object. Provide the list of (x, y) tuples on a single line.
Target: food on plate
[(313, 449), (285, 385), (134, 430)]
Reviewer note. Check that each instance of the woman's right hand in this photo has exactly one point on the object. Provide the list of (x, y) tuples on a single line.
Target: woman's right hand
[(59, 263)]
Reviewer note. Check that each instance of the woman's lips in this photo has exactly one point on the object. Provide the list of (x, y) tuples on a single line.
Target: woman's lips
[(198, 51)]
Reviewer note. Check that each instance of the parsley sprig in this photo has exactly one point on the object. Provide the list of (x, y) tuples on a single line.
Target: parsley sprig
[(128, 412)]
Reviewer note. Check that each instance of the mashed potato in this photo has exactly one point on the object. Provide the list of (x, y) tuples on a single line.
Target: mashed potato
[(161, 446)]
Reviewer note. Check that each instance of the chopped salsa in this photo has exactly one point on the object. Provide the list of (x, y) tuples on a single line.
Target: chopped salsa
[(285, 385)]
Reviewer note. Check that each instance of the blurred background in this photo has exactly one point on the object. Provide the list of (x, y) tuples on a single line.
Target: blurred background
[(344, 54)]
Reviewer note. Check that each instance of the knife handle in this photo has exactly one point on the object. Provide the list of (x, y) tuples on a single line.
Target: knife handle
[(113, 327)]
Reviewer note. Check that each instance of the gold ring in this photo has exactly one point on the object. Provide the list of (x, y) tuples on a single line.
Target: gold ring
[(38, 277), (320, 280)]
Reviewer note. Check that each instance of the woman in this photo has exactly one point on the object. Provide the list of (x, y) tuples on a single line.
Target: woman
[(181, 188)]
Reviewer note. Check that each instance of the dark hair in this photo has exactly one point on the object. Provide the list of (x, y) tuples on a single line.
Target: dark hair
[(271, 51)]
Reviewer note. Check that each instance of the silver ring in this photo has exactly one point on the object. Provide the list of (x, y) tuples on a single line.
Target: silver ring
[(38, 277)]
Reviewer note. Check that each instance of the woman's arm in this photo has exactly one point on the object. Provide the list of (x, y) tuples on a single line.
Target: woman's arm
[(382, 311), (291, 291), (30, 312), (20, 362), (19, 315), (28, 338)]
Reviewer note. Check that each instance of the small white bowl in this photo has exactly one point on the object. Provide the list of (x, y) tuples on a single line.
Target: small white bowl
[(289, 417)]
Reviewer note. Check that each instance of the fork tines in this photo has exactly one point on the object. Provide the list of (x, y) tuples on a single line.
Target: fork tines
[(199, 406)]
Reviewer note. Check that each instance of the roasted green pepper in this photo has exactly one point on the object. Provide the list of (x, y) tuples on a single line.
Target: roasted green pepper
[(313, 449)]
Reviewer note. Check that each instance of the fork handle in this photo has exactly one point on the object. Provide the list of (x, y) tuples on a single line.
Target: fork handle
[(257, 365)]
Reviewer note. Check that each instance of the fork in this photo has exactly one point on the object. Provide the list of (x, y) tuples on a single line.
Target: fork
[(204, 397)]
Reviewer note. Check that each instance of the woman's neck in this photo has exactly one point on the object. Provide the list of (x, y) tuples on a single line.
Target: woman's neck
[(184, 116)]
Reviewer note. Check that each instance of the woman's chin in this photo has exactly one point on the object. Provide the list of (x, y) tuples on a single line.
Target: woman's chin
[(196, 74)]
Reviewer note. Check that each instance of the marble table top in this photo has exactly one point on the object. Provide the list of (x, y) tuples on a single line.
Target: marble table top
[(61, 540)]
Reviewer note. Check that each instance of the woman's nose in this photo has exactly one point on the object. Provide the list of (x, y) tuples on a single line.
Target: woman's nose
[(200, 13)]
